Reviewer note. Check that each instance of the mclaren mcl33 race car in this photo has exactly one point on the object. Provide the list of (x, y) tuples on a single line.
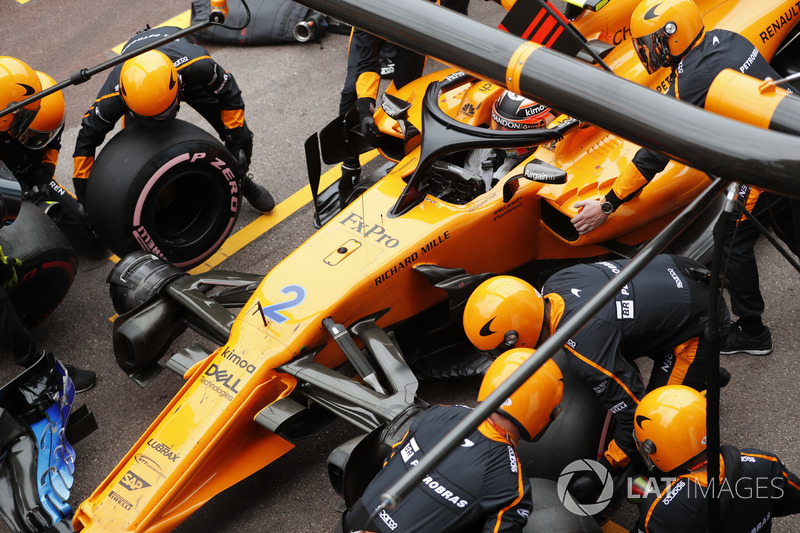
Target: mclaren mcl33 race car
[(372, 302)]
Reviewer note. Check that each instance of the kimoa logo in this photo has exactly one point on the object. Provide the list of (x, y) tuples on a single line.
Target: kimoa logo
[(234, 358)]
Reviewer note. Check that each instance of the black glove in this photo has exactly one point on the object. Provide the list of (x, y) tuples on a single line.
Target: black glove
[(239, 142), (370, 131), (80, 190)]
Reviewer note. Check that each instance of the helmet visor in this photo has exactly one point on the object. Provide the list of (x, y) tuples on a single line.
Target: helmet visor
[(653, 49), (22, 118), (36, 140), (170, 112)]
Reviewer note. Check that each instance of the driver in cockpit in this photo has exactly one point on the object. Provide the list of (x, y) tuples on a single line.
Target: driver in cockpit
[(511, 112)]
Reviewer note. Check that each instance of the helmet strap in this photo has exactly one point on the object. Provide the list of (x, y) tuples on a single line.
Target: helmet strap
[(675, 60), (503, 431)]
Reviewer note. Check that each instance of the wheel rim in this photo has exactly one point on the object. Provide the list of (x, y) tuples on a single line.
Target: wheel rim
[(185, 209)]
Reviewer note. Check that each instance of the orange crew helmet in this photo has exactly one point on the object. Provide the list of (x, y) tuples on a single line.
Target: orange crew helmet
[(49, 120), (18, 81), (537, 402), (149, 85), (504, 311), (664, 30), (670, 428)]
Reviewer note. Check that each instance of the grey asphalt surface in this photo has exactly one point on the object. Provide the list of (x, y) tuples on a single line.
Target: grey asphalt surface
[(292, 91)]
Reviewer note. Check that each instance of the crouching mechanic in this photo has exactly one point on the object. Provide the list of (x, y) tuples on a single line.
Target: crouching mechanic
[(662, 314), (670, 433), (150, 87), (33, 155), (481, 485)]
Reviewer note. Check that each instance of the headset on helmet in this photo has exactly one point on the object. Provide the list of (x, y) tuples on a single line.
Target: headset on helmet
[(149, 85), (514, 112), (49, 120), (670, 428), (536, 403), (664, 30), (503, 312), (18, 81)]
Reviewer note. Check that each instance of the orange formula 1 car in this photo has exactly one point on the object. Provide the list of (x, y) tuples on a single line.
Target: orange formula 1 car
[(380, 285)]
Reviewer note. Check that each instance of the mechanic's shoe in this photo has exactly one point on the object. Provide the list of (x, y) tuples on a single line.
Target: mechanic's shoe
[(724, 377), (257, 196), (740, 342), (82, 379)]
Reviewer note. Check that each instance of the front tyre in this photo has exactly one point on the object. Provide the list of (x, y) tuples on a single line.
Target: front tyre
[(172, 191)]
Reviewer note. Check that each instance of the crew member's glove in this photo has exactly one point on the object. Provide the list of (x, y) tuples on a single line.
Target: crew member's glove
[(8, 272), (239, 142), (366, 110), (80, 190)]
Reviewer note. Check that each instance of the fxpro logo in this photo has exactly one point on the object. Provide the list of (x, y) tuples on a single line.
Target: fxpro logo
[(375, 232), (576, 468)]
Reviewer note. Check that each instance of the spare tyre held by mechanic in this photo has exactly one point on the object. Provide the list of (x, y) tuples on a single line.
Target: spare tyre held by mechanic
[(662, 313), (479, 486), (150, 87)]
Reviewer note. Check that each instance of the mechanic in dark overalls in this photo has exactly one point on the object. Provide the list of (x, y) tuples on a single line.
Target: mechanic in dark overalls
[(670, 432), (661, 314), (364, 75), (151, 86), (480, 485), (671, 33), (19, 81), (32, 158)]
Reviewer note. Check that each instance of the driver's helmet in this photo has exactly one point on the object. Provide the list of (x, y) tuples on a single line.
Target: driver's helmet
[(149, 85), (664, 30), (514, 112), (504, 312), (49, 120), (536, 403), (18, 81), (670, 428)]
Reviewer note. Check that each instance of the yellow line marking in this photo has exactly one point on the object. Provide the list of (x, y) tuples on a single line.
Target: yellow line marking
[(182, 21), (611, 527), (22, 1)]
